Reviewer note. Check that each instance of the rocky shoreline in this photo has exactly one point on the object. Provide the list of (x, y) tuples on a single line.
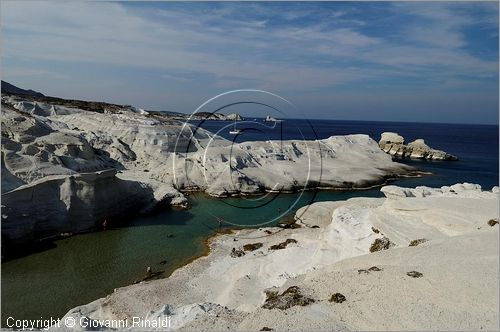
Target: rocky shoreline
[(437, 248), (92, 163), (75, 166)]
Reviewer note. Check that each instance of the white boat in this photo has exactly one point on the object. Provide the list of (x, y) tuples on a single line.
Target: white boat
[(271, 119), (235, 131)]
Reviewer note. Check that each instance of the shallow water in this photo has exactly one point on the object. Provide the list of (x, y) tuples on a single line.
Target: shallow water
[(85, 267), (82, 268)]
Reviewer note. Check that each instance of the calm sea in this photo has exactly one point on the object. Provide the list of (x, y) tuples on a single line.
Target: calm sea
[(82, 268), (475, 145)]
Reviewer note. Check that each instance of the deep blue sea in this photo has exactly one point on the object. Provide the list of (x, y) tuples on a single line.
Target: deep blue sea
[(475, 145), (82, 268)]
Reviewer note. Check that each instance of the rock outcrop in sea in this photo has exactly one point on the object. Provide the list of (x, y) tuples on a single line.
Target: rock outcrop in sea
[(394, 144), (69, 165)]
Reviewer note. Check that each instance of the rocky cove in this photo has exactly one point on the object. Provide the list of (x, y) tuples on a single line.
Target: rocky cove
[(336, 264), (136, 183), (68, 170), (67, 272), (68, 167), (249, 166)]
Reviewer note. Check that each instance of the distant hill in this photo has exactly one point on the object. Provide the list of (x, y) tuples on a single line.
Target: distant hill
[(12, 89), (92, 106)]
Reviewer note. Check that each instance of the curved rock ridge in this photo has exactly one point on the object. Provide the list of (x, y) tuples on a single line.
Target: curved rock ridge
[(443, 236), (393, 144), (165, 157)]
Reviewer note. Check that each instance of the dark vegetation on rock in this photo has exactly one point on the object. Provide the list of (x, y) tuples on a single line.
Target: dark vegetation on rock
[(292, 296), (371, 269), (282, 245), (414, 274), (374, 268), (237, 253), (337, 298), (416, 242), (252, 246), (492, 222), (381, 244)]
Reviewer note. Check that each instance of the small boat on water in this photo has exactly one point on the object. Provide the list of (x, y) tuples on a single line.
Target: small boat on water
[(271, 119), (235, 131)]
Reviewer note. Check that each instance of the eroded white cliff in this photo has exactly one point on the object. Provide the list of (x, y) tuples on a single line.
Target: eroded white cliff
[(161, 155)]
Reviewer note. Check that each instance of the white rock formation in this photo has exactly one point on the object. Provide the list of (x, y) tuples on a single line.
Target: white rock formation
[(458, 259), (215, 116), (163, 156), (69, 204), (393, 144), (390, 137), (462, 189), (234, 116)]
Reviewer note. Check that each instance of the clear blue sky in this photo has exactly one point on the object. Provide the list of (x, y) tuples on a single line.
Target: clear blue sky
[(418, 61)]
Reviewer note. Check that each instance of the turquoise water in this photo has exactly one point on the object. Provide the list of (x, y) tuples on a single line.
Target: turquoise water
[(82, 268)]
